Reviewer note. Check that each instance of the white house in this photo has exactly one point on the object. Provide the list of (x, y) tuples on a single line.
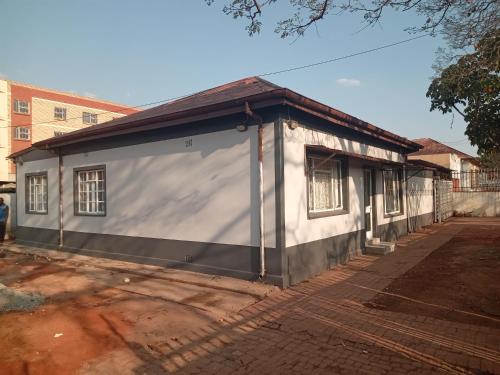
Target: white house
[(245, 179)]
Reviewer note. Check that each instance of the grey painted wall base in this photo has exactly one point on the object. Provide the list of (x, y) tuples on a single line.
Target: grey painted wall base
[(392, 231), (212, 258), (311, 258), (420, 221)]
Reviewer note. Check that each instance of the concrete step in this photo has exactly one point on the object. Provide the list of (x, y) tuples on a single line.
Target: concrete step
[(382, 248)]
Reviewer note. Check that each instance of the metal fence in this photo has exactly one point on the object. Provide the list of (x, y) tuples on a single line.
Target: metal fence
[(477, 180)]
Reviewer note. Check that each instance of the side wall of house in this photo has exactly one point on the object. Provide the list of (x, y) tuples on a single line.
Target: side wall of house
[(189, 202), (314, 245), (420, 199)]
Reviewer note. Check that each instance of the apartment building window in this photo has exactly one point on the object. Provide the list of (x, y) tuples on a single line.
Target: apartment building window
[(59, 113), (22, 133), (36, 193), (327, 185), (22, 106), (58, 133), (90, 190), (392, 191), (89, 118)]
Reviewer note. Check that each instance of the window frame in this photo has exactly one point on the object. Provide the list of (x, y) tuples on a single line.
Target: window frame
[(16, 107), (63, 111), (90, 116), (59, 135), (398, 173), (27, 193), (340, 185), (76, 190), (17, 130)]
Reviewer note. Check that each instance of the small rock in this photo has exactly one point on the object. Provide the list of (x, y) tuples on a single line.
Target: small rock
[(57, 335), (126, 280)]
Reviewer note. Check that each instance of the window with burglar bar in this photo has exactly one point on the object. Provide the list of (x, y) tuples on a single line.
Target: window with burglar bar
[(22, 133), (89, 118), (325, 185), (392, 191), (21, 106), (91, 191), (59, 113), (36, 191)]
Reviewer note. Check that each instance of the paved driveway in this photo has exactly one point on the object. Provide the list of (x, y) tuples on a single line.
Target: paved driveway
[(332, 324), (324, 327)]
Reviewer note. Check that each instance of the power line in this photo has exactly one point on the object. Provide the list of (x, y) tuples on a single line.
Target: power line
[(343, 57), (260, 75)]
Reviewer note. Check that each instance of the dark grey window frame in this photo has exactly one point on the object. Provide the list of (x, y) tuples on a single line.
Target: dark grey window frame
[(344, 168), (401, 211), (76, 197), (27, 192)]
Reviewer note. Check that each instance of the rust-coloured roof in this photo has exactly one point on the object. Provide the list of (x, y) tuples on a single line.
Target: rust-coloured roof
[(432, 147), (219, 101)]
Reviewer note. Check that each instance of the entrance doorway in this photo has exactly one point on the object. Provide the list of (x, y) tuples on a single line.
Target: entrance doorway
[(368, 202)]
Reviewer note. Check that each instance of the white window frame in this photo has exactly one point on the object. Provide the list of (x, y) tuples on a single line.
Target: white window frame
[(394, 175), (332, 167), (22, 133), (90, 191), (58, 133), (89, 118), (60, 113), (37, 193), (22, 106)]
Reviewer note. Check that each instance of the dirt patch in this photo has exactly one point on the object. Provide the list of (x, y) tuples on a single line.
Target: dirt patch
[(94, 321), (460, 281)]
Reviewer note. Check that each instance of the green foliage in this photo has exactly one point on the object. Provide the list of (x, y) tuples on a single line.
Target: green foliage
[(471, 87)]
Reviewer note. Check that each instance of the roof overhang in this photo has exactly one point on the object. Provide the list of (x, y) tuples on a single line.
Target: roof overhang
[(333, 152)]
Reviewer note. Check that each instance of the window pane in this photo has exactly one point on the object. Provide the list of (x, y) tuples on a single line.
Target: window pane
[(322, 191)]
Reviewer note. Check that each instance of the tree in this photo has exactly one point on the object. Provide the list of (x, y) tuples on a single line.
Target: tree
[(467, 82), (462, 22), (471, 87)]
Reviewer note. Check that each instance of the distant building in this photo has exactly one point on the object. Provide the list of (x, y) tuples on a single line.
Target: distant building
[(31, 114), (446, 156)]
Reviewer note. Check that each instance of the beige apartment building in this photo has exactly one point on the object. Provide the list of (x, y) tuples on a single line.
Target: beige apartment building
[(29, 114)]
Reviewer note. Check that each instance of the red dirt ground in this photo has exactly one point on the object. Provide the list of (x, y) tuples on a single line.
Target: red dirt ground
[(453, 276)]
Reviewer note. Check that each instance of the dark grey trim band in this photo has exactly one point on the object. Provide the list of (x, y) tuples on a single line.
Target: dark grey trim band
[(309, 259), (279, 189), (213, 258)]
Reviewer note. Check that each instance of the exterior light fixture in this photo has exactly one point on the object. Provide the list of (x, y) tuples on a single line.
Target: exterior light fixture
[(241, 127), (292, 124)]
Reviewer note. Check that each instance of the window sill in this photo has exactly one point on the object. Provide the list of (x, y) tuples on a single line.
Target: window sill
[(22, 140), (22, 114), (91, 215), (36, 213), (316, 215), (394, 214)]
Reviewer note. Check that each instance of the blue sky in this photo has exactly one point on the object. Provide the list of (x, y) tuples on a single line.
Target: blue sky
[(136, 52)]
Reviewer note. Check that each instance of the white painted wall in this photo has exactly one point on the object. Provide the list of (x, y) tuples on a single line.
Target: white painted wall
[(51, 220), (207, 192), (420, 193), (300, 229), (481, 203)]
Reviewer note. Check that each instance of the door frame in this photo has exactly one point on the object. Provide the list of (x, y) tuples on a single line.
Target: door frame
[(373, 198)]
